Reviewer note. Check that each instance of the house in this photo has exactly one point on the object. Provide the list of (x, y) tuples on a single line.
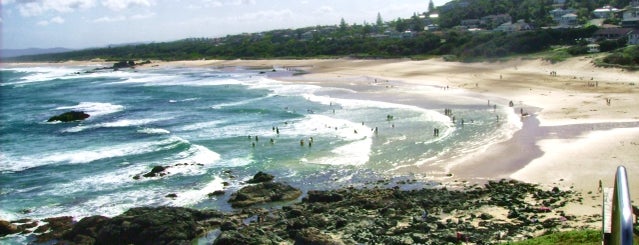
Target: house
[(593, 48), (557, 13), (493, 21), (568, 20), (520, 25), (633, 37), (470, 23), (431, 27), (611, 33), (605, 12), (630, 17)]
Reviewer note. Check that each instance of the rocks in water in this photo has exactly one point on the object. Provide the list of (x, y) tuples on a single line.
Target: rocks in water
[(155, 171), (262, 193), (216, 193), (69, 116), (261, 177), (54, 229), (7, 228)]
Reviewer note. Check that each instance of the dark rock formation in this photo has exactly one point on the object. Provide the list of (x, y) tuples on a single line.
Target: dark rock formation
[(155, 171), (7, 228), (261, 177), (262, 193), (69, 116)]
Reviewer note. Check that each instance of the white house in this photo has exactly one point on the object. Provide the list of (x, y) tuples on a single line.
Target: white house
[(568, 20), (605, 12), (630, 17)]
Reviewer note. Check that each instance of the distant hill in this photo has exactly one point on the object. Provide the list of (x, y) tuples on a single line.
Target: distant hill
[(8, 53)]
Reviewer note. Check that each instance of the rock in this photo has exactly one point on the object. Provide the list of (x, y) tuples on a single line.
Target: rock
[(263, 193), (158, 225), (69, 116), (261, 177), (324, 196), (86, 229), (313, 236), (54, 229), (485, 216), (7, 228), (171, 195), (216, 193), (155, 171)]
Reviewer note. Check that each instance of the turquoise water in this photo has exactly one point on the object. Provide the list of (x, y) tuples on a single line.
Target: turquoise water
[(209, 119)]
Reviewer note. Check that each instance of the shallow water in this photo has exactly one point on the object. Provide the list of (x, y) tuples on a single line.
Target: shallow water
[(224, 124)]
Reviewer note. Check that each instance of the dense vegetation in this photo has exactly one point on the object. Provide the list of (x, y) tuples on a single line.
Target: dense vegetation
[(584, 237), (461, 44), (388, 39)]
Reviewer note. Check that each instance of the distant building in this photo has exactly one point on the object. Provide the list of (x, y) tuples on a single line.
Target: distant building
[(633, 37), (605, 12), (520, 25), (593, 48), (611, 33), (470, 23), (558, 13), (568, 20), (431, 27), (492, 21), (630, 16)]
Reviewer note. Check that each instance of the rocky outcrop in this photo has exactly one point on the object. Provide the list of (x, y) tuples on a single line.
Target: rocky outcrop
[(261, 177), (7, 228), (147, 225), (262, 193), (69, 116)]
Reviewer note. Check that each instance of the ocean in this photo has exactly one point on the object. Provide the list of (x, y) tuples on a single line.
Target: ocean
[(214, 128)]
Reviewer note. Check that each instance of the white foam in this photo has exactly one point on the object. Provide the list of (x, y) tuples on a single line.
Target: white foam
[(89, 154), (94, 109), (239, 103), (116, 124), (195, 196), (154, 131), (201, 125), (41, 74), (199, 155)]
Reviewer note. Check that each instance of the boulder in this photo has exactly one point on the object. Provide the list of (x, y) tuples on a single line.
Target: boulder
[(7, 228), (153, 225), (69, 116), (261, 177), (313, 236), (155, 171), (86, 229), (263, 193), (324, 196)]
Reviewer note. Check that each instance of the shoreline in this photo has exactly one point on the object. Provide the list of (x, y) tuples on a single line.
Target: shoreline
[(575, 135)]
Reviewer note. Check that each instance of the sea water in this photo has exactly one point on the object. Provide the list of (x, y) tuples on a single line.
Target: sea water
[(214, 128)]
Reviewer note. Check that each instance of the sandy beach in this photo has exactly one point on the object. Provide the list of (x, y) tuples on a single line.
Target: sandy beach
[(584, 120)]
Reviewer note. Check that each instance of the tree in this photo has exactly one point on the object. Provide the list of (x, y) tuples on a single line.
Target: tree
[(342, 25), (379, 21), (431, 6)]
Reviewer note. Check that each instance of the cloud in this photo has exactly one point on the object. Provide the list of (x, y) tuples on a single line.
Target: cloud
[(242, 2), (54, 20), (266, 15), (34, 8), (118, 5), (324, 10), (110, 19), (142, 16)]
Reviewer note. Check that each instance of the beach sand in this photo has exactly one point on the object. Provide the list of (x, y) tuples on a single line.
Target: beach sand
[(584, 120), (573, 139)]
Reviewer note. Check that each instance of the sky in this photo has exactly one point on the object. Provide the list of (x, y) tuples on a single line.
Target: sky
[(78, 24)]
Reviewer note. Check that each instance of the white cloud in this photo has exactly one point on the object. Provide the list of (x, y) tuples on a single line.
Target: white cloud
[(142, 16), (324, 10), (110, 19), (54, 20), (0, 19), (33, 8), (266, 15), (118, 5), (5, 2), (242, 2)]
